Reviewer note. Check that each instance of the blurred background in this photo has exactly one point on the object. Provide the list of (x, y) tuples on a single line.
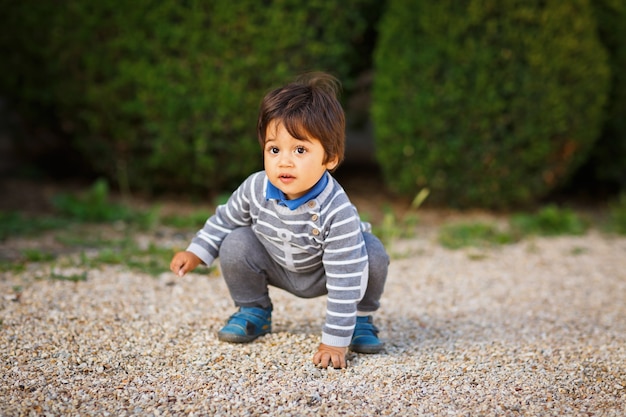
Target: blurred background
[(493, 104)]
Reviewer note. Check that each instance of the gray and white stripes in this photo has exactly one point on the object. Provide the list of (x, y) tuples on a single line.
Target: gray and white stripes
[(325, 232)]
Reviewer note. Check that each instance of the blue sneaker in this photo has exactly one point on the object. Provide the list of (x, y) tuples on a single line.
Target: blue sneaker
[(246, 325), (365, 337)]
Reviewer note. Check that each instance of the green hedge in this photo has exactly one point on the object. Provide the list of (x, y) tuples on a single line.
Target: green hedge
[(165, 94), (486, 103), (608, 159)]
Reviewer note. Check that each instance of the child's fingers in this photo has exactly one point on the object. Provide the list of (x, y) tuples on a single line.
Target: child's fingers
[(325, 357), (177, 265), (322, 359), (340, 361)]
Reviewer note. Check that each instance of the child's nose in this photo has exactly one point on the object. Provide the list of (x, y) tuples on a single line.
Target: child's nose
[(285, 159)]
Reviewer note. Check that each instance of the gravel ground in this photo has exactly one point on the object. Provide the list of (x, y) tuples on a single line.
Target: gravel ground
[(537, 328)]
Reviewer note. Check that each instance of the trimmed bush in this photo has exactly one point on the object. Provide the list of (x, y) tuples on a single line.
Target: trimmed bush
[(165, 94), (608, 159), (486, 103)]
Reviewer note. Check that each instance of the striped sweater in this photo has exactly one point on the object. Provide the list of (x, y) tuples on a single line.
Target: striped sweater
[(325, 232)]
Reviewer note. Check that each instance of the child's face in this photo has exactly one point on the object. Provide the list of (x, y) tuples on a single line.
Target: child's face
[(293, 165)]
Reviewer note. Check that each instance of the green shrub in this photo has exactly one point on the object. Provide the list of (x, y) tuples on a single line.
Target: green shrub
[(92, 205), (486, 103), (479, 234), (549, 221), (609, 155), (165, 94), (617, 215), (392, 227), (36, 255), (16, 224)]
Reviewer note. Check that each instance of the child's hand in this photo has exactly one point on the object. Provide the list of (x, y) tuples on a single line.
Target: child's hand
[(330, 354), (184, 262)]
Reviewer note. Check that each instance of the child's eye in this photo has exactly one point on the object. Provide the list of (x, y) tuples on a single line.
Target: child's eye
[(300, 150), (272, 150)]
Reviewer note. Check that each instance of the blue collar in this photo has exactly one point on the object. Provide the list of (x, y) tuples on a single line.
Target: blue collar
[(273, 193)]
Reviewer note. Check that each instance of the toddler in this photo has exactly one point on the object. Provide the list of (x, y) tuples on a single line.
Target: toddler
[(292, 226)]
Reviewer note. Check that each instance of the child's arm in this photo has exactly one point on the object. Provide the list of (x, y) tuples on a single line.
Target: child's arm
[(184, 262), (236, 212), (330, 354), (346, 266)]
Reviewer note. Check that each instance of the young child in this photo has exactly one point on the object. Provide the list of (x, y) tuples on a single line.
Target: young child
[(292, 226)]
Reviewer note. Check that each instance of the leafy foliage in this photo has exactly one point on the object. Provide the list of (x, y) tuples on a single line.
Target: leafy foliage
[(609, 155), (617, 215), (478, 234), (490, 104), (91, 206), (13, 223), (550, 221), (165, 94)]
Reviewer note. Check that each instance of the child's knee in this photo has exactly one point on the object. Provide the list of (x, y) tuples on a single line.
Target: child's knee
[(376, 253), (236, 245)]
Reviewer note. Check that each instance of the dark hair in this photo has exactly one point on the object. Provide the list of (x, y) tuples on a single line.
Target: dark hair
[(308, 107)]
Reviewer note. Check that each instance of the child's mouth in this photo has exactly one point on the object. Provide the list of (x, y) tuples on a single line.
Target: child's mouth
[(286, 178)]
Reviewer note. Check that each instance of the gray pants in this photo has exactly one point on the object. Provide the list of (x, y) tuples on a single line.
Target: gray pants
[(248, 269)]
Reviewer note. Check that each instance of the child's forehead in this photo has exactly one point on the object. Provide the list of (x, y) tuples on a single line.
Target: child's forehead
[(293, 128)]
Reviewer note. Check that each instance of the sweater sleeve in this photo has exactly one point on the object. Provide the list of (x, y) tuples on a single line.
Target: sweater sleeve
[(346, 265), (229, 216)]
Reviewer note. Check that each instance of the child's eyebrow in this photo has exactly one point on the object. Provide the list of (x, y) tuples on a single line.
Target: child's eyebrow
[(271, 139), (306, 139)]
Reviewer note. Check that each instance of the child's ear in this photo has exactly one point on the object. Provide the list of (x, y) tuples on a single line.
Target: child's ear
[(332, 163)]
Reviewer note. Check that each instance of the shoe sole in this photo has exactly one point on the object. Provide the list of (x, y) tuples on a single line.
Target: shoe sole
[(367, 349), (237, 338)]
